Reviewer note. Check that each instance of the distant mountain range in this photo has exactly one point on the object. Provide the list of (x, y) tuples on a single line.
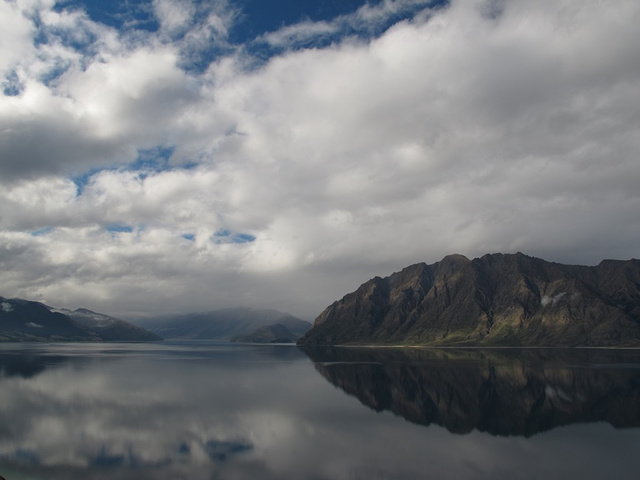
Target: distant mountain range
[(24, 320), (495, 300), (237, 324)]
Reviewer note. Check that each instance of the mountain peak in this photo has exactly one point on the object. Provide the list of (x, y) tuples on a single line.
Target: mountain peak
[(455, 258), (497, 299)]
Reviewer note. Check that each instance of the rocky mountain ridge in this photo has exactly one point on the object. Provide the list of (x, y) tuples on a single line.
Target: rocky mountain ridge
[(495, 300), (24, 320)]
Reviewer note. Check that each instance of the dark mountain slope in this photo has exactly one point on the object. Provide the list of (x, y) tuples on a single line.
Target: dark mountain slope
[(110, 328), (23, 320), (497, 299)]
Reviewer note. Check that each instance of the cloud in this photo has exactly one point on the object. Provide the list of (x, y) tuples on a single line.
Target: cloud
[(369, 16), (366, 21), (475, 127), (199, 30), (174, 17), (299, 33), (15, 36), (84, 98)]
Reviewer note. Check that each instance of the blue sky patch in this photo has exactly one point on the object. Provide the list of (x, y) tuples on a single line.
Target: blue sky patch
[(251, 20), (82, 180), (54, 73), (338, 16), (261, 17), (154, 159), (243, 238), (119, 228), (189, 236), (227, 236), (150, 160), (11, 85), (42, 232), (120, 14)]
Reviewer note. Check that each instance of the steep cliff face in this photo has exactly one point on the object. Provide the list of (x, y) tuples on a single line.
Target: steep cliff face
[(493, 300)]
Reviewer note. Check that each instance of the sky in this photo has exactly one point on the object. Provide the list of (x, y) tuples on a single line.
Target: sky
[(169, 156)]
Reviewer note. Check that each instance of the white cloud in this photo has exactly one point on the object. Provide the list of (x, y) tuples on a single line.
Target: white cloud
[(15, 36), (366, 20), (465, 129), (299, 33), (174, 16), (133, 97), (373, 14)]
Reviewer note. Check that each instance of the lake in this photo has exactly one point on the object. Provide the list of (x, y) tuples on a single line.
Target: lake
[(205, 410)]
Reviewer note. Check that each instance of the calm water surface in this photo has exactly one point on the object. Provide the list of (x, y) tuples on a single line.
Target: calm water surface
[(209, 410)]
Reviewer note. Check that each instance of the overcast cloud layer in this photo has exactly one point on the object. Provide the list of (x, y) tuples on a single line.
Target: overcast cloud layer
[(134, 178)]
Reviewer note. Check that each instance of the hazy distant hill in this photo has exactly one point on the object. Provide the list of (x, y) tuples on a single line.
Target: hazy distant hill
[(109, 328), (222, 324), (494, 300), (24, 320), (290, 331)]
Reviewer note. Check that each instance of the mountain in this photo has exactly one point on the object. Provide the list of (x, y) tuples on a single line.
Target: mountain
[(24, 320), (503, 392), (222, 324), (289, 331), (498, 299), (109, 328)]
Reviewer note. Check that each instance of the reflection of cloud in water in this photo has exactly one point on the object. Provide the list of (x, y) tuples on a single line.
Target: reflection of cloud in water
[(133, 412), (242, 413)]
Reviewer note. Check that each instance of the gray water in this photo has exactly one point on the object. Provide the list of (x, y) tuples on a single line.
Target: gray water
[(209, 410)]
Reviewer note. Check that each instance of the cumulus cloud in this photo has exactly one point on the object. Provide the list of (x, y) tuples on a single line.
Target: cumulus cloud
[(174, 17), (15, 37), (475, 127)]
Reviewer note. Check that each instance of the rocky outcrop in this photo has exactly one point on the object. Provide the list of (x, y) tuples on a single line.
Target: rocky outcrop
[(498, 299)]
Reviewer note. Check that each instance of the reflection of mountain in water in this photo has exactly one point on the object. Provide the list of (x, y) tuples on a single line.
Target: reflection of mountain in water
[(502, 392), (26, 366)]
